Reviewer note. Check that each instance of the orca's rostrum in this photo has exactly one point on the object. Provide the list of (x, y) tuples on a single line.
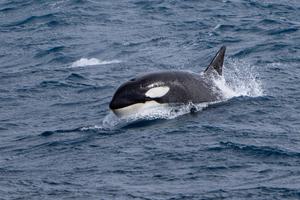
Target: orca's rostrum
[(168, 88)]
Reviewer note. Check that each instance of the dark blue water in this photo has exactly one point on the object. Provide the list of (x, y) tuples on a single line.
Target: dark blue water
[(62, 60)]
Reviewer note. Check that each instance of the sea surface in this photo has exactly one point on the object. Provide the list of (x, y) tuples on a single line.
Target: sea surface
[(62, 60)]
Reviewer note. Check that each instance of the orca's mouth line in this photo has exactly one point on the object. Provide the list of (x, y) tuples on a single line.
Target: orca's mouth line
[(137, 108)]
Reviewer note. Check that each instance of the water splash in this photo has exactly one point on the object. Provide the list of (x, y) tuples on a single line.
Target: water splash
[(92, 61), (240, 79), (111, 121)]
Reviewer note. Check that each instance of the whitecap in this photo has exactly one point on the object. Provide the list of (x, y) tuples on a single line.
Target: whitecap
[(92, 61)]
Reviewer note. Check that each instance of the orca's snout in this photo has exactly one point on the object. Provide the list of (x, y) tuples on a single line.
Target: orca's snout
[(118, 102), (113, 104), (125, 96), (123, 104)]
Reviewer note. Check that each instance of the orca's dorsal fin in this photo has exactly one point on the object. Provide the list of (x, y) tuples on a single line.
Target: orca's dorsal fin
[(217, 62)]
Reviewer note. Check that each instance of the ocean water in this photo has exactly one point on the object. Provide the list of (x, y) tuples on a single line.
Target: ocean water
[(62, 60)]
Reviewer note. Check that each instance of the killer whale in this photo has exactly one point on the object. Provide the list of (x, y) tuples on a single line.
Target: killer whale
[(169, 87)]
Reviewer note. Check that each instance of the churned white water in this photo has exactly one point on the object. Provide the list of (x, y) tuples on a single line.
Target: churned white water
[(152, 113), (239, 79)]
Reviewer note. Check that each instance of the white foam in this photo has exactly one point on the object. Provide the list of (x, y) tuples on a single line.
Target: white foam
[(96, 127), (111, 121), (92, 61)]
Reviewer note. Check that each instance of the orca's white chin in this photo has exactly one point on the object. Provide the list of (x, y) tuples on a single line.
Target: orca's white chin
[(138, 108)]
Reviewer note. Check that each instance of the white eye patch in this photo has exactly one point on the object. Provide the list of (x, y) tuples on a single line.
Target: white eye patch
[(157, 92)]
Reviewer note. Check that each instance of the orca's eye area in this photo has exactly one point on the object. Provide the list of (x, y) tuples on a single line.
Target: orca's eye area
[(133, 79), (157, 92)]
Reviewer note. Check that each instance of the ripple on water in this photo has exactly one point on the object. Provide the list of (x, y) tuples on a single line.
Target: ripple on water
[(261, 152)]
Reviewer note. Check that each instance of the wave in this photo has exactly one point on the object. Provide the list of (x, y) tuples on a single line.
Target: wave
[(258, 151), (82, 62)]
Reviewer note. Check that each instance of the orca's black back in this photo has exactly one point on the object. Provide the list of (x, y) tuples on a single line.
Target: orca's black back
[(184, 86)]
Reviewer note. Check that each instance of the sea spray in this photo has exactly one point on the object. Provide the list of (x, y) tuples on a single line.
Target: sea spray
[(240, 79)]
